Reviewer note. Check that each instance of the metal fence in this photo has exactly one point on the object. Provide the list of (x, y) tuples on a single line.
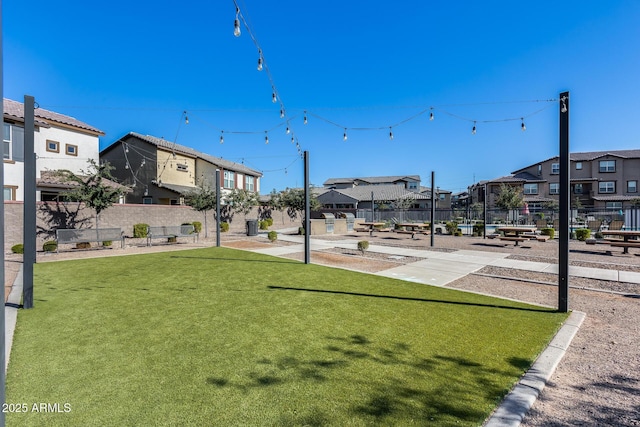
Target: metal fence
[(630, 217)]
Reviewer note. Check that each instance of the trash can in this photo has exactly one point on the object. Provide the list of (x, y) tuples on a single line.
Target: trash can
[(252, 227)]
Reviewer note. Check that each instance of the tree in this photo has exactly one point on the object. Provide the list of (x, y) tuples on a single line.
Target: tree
[(202, 199), (509, 197), (241, 201), (95, 187), (293, 200)]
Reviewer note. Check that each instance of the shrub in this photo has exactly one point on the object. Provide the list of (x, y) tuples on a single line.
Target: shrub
[(107, 243), (224, 226), (548, 232), (172, 239), (140, 230), (452, 227), (264, 225), (583, 234), (478, 228), (599, 235), (17, 249), (272, 236), (197, 226), (50, 246), (269, 221), (83, 245), (301, 231), (363, 245), (458, 233)]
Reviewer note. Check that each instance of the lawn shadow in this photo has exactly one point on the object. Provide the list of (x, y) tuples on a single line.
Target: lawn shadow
[(276, 261), (359, 294)]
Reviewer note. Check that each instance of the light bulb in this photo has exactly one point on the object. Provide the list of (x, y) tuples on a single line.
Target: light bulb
[(126, 166), (266, 137), (292, 140), (282, 113), (431, 116), (221, 138), (288, 131), (344, 136), (522, 126), (186, 118), (126, 149), (473, 131), (260, 60), (305, 121), (274, 97), (236, 24), (390, 134)]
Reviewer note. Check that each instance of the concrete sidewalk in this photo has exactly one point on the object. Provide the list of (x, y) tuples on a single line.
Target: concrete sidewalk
[(440, 268)]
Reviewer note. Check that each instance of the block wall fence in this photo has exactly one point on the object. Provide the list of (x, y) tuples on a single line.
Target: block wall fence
[(51, 216)]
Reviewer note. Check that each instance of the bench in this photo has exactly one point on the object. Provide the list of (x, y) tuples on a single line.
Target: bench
[(171, 231), (413, 233), (514, 239), (625, 245), (88, 235), (542, 238)]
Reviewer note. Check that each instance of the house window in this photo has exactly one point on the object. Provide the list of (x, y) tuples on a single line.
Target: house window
[(632, 186), (530, 188), (53, 146), (555, 168), (182, 167), (10, 192), (442, 196), (613, 205), (607, 165), (554, 188), (147, 200), (249, 183), (229, 179), (71, 150), (578, 166), (607, 187), (539, 169), (577, 189), (413, 185), (13, 143)]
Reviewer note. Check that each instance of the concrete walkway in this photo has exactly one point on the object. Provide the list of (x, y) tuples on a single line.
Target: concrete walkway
[(441, 268)]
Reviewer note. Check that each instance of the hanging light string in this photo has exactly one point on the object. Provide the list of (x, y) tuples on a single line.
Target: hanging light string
[(264, 66), (183, 118)]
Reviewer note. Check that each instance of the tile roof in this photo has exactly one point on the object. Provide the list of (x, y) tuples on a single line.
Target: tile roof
[(372, 179), (518, 177), (52, 179), (182, 149), (380, 192), (15, 110), (614, 198)]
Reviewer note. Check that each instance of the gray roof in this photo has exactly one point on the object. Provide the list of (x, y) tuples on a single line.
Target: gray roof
[(592, 155), (182, 149), (15, 110), (372, 179), (518, 177), (380, 192), (53, 179)]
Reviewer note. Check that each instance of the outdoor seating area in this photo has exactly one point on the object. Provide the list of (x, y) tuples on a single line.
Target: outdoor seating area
[(89, 235), (171, 232)]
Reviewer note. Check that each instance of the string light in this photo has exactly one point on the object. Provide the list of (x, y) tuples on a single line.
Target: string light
[(260, 60), (266, 137), (522, 126), (431, 115), (186, 118), (304, 118), (282, 112), (236, 24), (473, 131), (344, 136), (274, 97), (221, 137), (390, 133)]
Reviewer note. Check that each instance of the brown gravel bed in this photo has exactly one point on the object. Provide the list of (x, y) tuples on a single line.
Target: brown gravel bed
[(372, 255)]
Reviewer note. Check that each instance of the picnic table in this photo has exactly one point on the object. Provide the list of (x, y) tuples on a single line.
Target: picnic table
[(516, 234), (629, 239), (413, 228), (371, 226)]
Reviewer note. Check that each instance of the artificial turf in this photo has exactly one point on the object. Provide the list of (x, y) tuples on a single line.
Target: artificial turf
[(219, 336)]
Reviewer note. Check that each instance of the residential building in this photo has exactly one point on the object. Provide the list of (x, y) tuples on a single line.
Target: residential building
[(598, 179), (161, 172), (60, 142), (409, 182)]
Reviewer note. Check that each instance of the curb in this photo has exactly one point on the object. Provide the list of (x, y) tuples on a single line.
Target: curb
[(518, 402)]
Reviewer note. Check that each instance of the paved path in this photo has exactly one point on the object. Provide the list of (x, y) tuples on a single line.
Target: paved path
[(440, 268)]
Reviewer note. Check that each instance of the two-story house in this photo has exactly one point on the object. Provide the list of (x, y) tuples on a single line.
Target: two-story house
[(598, 179), (161, 172), (60, 142)]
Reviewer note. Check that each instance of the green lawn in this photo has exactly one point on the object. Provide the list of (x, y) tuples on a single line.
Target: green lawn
[(225, 337)]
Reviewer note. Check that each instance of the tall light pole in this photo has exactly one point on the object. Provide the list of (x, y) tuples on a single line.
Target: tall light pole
[(565, 164)]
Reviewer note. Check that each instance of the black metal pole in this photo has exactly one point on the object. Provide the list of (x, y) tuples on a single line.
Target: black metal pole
[(373, 207), (218, 207), (563, 239), (29, 214), (307, 211), (433, 207), (484, 211)]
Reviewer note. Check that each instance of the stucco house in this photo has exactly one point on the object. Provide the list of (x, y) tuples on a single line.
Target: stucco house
[(598, 179), (60, 142), (161, 172)]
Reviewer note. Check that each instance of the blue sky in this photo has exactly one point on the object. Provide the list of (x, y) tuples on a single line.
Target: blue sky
[(133, 66)]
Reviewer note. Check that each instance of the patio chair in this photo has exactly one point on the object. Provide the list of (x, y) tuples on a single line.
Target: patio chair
[(616, 224), (541, 223), (594, 225)]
